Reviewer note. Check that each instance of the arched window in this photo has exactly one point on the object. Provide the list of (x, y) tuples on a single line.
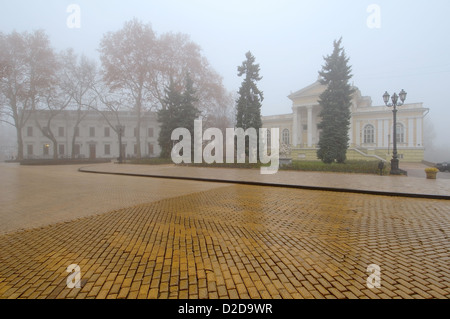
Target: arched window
[(400, 133), (285, 137), (369, 134)]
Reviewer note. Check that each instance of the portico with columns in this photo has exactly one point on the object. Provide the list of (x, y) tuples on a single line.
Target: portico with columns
[(370, 131), (304, 128)]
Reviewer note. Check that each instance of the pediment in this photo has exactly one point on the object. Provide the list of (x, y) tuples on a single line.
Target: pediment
[(312, 90), (310, 95)]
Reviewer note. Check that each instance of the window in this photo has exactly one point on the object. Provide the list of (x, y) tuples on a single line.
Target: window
[(107, 149), (61, 131), (269, 138), (92, 132), (76, 131), (285, 137), (400, 133), (150, 132), (135, 149), (135, 132), (369, 134), (29, 149), (30, 131), (61, 149), (107, 132)]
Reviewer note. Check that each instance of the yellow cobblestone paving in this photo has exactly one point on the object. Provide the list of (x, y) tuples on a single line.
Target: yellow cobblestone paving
[(239, 242), (36, 196)]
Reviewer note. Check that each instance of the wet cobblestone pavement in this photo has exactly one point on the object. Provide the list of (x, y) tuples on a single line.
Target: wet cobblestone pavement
[(238, 241)]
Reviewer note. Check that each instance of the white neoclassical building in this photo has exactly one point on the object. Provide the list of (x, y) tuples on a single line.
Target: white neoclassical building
[(94, 137), (370, 134)]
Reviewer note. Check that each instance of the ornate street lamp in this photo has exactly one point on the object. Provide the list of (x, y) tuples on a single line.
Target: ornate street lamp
[(395, 102)]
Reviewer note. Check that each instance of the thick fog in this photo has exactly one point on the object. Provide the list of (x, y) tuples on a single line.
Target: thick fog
[(392, 45)]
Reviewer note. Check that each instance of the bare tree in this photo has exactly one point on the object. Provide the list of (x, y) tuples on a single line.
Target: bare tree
[(13, 84), (54, 101), (139, 66), (27, 70), (127, 58), (78, 77), (109, 105), (5, 115), (178, 56)]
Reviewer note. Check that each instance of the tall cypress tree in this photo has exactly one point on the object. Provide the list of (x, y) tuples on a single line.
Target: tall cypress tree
[(248, 105), (250, 97), (335, 102)]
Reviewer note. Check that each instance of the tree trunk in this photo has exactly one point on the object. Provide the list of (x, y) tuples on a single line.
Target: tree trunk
[(55, 149), (138, 128), (138, 137), (74, 139), (19, 143), (119, 135)]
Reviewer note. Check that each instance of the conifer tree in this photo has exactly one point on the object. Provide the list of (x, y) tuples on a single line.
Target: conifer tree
[(179, 111), (335, 102), (188, 109), (248, 105)]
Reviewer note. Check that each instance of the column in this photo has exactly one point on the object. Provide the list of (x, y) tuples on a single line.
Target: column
[(411, 132), (358, 133), (419, 137), (350, 133), (379, 133), (295, 127), (310, 126), (300, 127)]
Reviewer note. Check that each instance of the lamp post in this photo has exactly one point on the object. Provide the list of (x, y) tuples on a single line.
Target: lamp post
[(395, 102)]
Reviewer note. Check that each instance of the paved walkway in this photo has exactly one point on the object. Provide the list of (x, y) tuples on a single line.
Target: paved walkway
[(400, 185), (35, 196), (222, 241)]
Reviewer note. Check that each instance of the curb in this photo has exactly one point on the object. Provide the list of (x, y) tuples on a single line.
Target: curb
[(317, 188)]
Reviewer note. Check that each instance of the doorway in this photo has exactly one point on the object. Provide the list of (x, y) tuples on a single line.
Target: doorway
[(92, 154)]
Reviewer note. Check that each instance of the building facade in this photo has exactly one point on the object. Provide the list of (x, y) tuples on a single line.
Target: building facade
[(370, 133), (94, 136)]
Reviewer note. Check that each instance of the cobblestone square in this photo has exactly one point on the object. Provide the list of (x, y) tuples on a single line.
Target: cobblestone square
[(192, 239)]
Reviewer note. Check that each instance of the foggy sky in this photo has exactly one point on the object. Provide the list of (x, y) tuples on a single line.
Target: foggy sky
[(289, 39)]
